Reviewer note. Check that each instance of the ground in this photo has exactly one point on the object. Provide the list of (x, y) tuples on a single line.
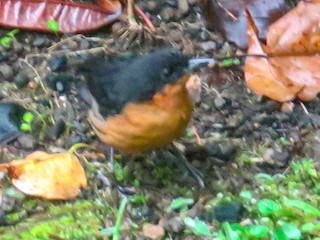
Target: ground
[(241, 135)]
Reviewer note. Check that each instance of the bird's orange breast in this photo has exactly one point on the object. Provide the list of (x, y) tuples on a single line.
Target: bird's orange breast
[(151, 124)]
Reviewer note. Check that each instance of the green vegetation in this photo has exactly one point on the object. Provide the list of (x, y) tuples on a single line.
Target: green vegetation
[(8, 39), (74, 220), (53, 25), (279, 207)]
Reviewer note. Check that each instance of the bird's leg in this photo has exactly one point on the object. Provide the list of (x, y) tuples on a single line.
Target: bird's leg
[(196, 174), (111, 154)]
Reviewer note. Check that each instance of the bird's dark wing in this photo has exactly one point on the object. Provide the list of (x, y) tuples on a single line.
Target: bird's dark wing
[(115, 81)]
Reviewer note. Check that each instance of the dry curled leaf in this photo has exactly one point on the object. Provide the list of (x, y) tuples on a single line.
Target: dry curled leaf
[(51, 176), (298, 32), (291, 68)]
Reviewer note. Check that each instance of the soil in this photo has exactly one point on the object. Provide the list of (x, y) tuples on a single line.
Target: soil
[(241, 134)]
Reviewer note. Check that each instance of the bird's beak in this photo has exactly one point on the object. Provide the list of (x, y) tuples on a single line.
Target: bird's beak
[(199, 62)]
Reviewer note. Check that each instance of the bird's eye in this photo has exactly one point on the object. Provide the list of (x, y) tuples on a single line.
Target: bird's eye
[(165, 72)]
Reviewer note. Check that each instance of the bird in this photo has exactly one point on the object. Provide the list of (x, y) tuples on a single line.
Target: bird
[(140, 102)]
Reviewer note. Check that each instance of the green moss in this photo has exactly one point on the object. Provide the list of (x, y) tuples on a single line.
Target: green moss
[(77, 220)]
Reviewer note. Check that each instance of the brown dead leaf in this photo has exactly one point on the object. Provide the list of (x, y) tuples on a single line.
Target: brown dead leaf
[(51, 176), (260, 75), (288, 72), (297, 32)]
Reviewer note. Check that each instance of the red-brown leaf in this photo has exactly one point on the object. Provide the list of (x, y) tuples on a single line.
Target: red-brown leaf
[(71, 17)]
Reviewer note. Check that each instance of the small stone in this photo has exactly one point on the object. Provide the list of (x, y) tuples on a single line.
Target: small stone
[(154, 232), (174, 224), (57, 129), (73, 140), (32, 85), (235, 120), (59, 82), (287, 107), (84, 44), (183, 6), (3, 57), (117, 26), (6, 71), (27, 141), (72, 45), (229, 212), (219, 102), (39, 41), (21, 80), (151, 6), (17, 47), (276, 157), (167, 13), (294, 135), (224, 151), (58, 63), (209, 45)]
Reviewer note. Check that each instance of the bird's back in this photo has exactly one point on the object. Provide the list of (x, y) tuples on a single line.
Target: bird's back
[(116, 81)]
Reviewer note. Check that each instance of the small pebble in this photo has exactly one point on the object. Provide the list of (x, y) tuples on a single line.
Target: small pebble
[(219, 102), (39, 41), (287, 107), (224, 151), (21, 79), (117, 26), (57, 129), (152, 6), (72, 45), (3, 57), (229, 212), (183, 6), (27, 141), (167, 13), (59, 82), (209, 45), (84, 44), (58, 63), (73, 140), (17, 47), (174, 224), (275, 157), (6, 71), (154, 232)]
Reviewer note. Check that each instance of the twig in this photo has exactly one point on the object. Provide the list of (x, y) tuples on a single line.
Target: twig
[(37, 78), (304, 108)]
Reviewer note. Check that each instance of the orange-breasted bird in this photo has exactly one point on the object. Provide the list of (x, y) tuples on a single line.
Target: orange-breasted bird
[(144, 100)]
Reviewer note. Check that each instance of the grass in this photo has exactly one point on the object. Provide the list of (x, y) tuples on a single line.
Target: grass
[(279, 207)]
